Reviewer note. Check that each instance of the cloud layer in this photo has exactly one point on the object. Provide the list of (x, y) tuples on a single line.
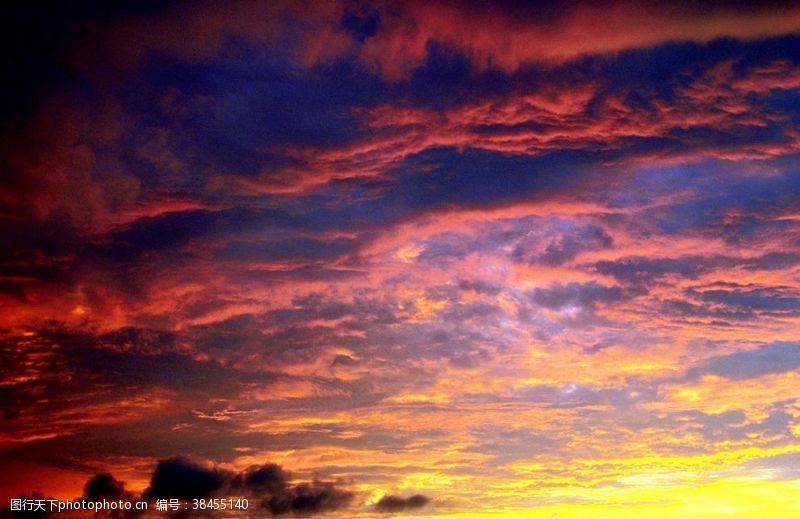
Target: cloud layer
[(425, 258)]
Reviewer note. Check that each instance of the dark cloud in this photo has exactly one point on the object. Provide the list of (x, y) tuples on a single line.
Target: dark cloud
[(268, 478), (270, 484), (720, 314), (480, 286), (447, 79), (288, 249), (778, 299), (773, 261), (775, 358), (642, 270), (103, 486), (438, 178), (184, 479), (734, 302), (569, 243), (586, 295), (361, 20), (309, 498), (391, 503)]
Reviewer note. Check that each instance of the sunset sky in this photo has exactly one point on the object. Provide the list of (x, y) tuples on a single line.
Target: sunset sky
[(404, 258)]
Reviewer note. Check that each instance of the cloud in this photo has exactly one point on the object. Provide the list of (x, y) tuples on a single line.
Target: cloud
[(373, 238), (775, 358), (644, 270), (586, 295), (395, 38), (566, 245), (309, 498), (270, 484), (184, 479), (269, 478), (393, 504), (103, 486), (761, 299)]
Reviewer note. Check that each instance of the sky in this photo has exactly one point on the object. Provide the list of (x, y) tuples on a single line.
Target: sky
[(426, 259)]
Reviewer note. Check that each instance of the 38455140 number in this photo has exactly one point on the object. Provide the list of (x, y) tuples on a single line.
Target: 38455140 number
[(220, 504)]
